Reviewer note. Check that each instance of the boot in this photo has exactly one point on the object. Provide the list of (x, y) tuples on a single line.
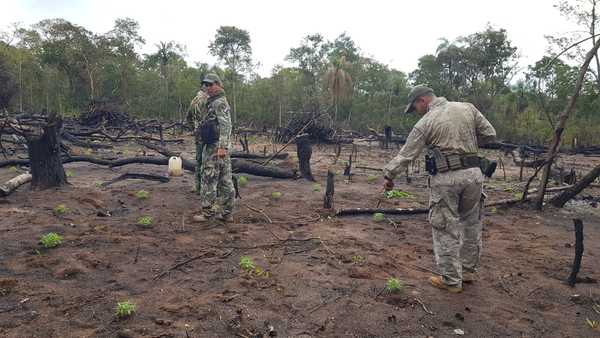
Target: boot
[(201, 218), (227, 218), (439, 283)]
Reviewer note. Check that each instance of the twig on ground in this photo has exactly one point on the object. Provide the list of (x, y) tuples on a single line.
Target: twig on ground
[(424, 307)]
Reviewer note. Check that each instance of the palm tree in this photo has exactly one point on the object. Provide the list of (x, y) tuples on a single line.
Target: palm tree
[(338, 82)]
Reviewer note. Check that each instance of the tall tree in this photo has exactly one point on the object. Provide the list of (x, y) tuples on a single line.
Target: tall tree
[(338, 82), (232, 46)]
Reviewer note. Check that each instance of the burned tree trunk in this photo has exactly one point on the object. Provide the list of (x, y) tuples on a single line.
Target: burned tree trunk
[(304, 149), (328, 199), (578, 252), (46, 165), (387, 131)]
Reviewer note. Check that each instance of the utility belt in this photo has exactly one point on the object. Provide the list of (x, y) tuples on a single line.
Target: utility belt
[(436, 162)]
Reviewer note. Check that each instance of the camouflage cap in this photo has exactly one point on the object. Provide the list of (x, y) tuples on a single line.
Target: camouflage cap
[(211, 78), (415, 93)]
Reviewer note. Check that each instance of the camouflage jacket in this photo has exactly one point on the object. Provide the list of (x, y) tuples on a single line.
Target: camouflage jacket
[(197, 111), (217, 107), (453, 127)]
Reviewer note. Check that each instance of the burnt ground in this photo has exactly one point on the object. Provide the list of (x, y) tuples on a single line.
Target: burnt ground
[(319, 276)]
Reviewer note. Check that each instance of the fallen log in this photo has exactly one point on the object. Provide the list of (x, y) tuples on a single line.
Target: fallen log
[(11, 185), (560, 200), (137, 176), (238, 165), (80, 143), (237, 154), (389, 211)]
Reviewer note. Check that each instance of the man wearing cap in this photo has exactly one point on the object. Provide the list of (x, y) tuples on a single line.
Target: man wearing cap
[(451, 132), (216, 185), (195, 116)]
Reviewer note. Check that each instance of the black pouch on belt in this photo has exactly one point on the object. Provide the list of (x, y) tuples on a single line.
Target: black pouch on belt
[(209, 131)]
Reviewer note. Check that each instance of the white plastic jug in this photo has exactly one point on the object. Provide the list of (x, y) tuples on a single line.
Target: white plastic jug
[(175, 166)]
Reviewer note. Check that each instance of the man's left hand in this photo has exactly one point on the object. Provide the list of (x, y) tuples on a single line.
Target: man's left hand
[(221, 152), (388, 184)]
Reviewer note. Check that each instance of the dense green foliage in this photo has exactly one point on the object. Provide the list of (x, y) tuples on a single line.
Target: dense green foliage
[(55, 65)]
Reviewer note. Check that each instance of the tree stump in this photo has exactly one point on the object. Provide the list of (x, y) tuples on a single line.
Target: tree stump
[(46, 166), (387, 131), (329, 191), (578, 252), (304, 150)]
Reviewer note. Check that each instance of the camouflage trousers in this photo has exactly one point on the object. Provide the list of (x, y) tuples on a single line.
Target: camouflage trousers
[(455, 215), (198, 176), (216, 185)]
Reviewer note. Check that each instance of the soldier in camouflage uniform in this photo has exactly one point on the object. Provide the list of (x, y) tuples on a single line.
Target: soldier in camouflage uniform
[(456, 198), (216, 185), (196, 114)]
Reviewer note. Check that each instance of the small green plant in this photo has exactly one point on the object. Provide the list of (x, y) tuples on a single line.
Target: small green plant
[(593, 324), (394, 285), (378, 217), (358, 259), (247, 264), (518, 195), (371, 179), (125, 309), (275, 195), (145, 221), (51, 240), (316, 187), (70, 173), (12, 169), (242, 181), (493, 210), (60, 209), (142, 195), (397, 194)]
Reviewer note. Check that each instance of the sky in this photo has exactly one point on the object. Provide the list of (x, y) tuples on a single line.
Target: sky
[(396, 33)]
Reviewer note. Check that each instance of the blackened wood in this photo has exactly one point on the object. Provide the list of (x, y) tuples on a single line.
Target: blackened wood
[(44, 153), (578, 252), (329, 191), (560, 200), (304, 150)]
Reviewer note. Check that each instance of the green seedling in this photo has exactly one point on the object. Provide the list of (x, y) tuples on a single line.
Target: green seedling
[(397, 194), (242, 181), (394, 285), (518, 195), (316, 187), (247, 264), (12, 169), (145, 221), (493, 210), (142, 195), (125, 309), (60, 209), (51, 240), (70, 173), (358, 259), (275, 195), (371, 179), (593, 324), (378, 217)]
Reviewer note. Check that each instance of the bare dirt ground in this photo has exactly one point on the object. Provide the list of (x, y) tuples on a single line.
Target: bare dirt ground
[(320, 276)]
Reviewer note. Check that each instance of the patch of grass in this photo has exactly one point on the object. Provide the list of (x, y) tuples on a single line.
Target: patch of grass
[(394, 285), (493, 210), (242, 181), (275, 195), (70, 173), (518, 195), (371, 179), (316, 187), (60, 209), (145, 220), (378, 217), (125, 309), (142, 195), (51, 240), (12, 169), (397, 194), (247, 264)]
